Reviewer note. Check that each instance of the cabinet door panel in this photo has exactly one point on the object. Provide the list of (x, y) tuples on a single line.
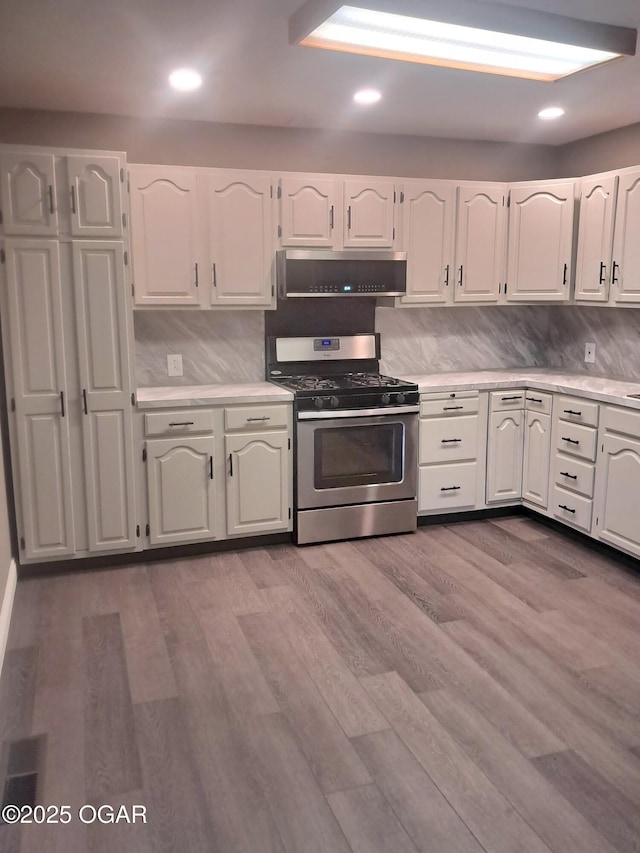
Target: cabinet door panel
[(39, 385), (428, 216), (164, 236), (181, 494), (625, 273), (540, 242), (618, 522), (27, 194), (241, 239), (309, 211), (504, 460), (595, 238), (96, 206), (105, 376), (257, 483), (369, 213), (480, 243), (535, 466)]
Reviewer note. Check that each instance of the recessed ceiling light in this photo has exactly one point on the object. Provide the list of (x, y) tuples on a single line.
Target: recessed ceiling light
[(551, 112), (367, 96), (185, 79), (489, 37)]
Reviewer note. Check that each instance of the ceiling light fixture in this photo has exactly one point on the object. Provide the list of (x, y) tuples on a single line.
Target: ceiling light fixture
[(551, 112), (489, 37), (367, 96), (185, 80)]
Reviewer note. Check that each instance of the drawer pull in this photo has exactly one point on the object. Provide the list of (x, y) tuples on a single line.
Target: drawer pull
[(84, 401), (62, 403), (534, 399), (51, 205), (514, 397), (180, 423), (451, 408), (259, 420), (450, 488), (571, 440), (230, 465), (567, 474), (450, 440), (73, 200), (568, 509), (211, 467), (571, 412)]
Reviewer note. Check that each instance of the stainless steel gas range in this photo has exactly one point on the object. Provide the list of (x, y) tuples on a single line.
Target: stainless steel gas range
[(356, 435)]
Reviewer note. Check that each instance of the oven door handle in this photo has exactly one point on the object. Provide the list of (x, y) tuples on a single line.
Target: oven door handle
[(387, 411)]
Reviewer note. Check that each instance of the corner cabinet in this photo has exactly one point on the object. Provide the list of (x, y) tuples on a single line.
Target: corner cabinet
[(541, 218), (504, 446), (537, 449), (625, 269)]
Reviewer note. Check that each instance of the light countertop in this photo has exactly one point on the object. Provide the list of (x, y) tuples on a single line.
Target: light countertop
[(161, 396)]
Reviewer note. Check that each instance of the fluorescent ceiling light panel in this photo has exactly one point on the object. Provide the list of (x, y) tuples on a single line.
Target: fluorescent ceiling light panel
[(378, 32)]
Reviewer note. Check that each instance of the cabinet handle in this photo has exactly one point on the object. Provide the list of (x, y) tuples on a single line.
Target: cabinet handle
[(614, 277), (450, 440), (567, 474), (349, 218), (230, 465), (451, 408), (603, 270), (571, 440), (572, 412), (564, 275), (252, 420), (180, 423), (446, 276), (514, 397), (84, 401), (196, 274), (73, 199), (51, 207), (331, 218), (460, 276), (211, 467), (450, 488), (62, 403), (213, 272), (568, 509), (534, 399)]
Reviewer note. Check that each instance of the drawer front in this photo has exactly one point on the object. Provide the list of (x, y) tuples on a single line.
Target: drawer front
[(448, 439), (572, 509), (578, 411), (256, 417), (180, 422), (458, 403), (577, 440), (504, 400), (625, 421), (537, 401), (574, 475), (447, 487)]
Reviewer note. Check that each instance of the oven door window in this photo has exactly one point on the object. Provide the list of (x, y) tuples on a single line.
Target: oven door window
[(358, 455)]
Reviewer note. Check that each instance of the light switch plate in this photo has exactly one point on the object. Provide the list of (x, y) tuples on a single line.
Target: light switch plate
[(174, 365), (590, 353)]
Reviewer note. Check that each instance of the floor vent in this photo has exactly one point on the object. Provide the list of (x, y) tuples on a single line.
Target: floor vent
[(23, 769)]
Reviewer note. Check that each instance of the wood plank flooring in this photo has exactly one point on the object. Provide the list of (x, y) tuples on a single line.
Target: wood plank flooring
[(472, 687)]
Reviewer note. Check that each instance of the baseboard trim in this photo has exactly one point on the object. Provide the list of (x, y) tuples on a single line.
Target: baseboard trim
[(6, 609)]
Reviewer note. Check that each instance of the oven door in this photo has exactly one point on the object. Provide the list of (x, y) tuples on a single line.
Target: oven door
[(356, 459)]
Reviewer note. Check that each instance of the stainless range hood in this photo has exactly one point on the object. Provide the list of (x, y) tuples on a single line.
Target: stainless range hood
[(350, 273)]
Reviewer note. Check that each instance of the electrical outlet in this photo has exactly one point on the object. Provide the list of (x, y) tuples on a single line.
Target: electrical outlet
[(590, 353), (174, 365)]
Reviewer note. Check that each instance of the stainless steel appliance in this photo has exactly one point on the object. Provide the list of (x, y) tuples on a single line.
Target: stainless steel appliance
[(351, 273), (356, 436)]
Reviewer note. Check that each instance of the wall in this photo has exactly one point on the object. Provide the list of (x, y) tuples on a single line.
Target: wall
[(613, 150), (279, 148)]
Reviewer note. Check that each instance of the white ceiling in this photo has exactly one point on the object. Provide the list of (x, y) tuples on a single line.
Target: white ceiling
[(113, 56)]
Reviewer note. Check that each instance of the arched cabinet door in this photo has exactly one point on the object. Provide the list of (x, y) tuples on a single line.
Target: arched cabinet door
[(257, 482), (310, 212), (181, 489), (28, 195), (625, 268), (95, 199), (619, 473), (595, 237), (535, 461), (369, 214), (481, 232), (504, 456)]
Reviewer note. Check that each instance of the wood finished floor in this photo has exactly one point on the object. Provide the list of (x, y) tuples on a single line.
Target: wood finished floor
[(471, 687)]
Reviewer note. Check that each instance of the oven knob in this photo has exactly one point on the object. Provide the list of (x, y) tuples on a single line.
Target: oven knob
[(334, 402), (400, 398), (386, 399), (318, 402)]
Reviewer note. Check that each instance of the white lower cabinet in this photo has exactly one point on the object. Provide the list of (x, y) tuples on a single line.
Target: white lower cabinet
[(575, 437), (257, 483), (537, 450), (504, 447)]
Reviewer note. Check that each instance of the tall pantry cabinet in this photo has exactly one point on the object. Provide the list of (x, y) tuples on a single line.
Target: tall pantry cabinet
[(68, 343)]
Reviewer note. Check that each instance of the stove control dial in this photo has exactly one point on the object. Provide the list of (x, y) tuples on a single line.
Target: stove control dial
[(386, 399), (318, 402), (400, 398), (334, 402)]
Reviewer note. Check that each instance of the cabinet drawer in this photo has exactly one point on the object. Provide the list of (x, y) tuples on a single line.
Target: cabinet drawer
[(577, 410), (572, 509), (448, 439), (572, 474), (179, 422), (503, 400), (444, 487), (626, 421), (256, 417), (458, 403), (536, 401), (577, 440)]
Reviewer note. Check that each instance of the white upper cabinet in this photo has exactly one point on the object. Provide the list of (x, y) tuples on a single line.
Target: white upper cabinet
[(428, 220), (310, 211), (241, 238), (165, 241), (27, 194), (595, 237), (540, 242), (96, 206), (625, 269), (481, 232), (369, 214)]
